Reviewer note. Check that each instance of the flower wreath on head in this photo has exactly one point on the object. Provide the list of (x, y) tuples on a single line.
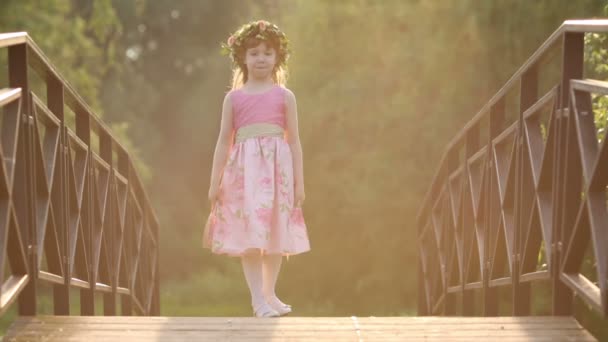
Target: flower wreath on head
[(262, 31)]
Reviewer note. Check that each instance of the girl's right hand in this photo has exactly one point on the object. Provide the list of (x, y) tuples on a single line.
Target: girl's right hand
[(299, 195), (214, 192)]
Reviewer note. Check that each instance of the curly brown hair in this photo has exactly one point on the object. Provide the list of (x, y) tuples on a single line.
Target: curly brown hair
[(250, 35)]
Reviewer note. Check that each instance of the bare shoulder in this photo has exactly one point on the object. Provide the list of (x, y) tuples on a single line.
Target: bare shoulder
[(290, 97), (228, 96)]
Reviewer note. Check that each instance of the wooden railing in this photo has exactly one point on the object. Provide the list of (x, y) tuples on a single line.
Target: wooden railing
[(520, 195), (73, 212)]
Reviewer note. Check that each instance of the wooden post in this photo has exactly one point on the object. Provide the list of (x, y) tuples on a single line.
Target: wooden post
[(449, 302), (55, 102), (24, 185), (567, 180), (471, 146), (156, 294), (155, 309), (124, 169), (497, 123), (109, 299), (527, 97), (83, 132), (422, 311)]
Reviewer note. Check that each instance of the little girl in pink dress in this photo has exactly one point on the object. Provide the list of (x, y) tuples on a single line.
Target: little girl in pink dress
[(257, 186)]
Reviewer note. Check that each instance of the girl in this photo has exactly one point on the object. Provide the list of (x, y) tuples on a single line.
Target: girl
[(257, 183)]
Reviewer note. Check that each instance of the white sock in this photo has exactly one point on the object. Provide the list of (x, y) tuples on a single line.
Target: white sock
[(252, 268), (271, 265)]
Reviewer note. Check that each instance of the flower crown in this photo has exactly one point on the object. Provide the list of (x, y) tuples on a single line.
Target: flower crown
[(261, 30)]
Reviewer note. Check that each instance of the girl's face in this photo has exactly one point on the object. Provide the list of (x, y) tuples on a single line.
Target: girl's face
[(260, 60)]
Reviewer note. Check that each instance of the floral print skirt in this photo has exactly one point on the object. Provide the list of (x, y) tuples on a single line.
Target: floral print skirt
[(256, 209)]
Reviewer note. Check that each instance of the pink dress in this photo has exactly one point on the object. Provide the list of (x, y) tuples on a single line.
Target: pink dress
[(256, 206)]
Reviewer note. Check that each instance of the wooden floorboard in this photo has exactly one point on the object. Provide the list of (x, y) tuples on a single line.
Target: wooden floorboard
[(173, 329)]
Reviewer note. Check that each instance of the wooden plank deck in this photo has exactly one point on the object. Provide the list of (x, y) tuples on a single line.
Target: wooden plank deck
[(172, 329)]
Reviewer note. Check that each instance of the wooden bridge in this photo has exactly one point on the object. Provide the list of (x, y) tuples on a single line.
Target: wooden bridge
[(518, 198), (330, 329)]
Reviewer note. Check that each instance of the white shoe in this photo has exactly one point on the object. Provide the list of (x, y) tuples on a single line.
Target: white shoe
[(265, 310), (282, 308)]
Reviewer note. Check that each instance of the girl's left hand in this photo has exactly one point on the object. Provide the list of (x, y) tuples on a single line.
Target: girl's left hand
[(214, 192), (299, 196)]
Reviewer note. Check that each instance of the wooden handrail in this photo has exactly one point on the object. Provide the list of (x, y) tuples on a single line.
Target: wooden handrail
[(569, 26), (10, 39), (67, 201), (532, 187)]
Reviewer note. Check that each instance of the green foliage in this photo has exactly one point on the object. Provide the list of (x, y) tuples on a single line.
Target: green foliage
[(63, 37), (208, 292), (596, 64), (80, 42), (382, 86)]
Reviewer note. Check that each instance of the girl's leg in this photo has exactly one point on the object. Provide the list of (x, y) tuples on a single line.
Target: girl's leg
[(252, 268), (271, 267)]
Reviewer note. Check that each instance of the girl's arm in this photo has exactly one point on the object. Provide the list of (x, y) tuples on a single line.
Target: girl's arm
[(293, 138), (224, 141)]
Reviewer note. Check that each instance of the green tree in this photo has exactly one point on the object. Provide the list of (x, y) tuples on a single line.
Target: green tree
[(80, 42)]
